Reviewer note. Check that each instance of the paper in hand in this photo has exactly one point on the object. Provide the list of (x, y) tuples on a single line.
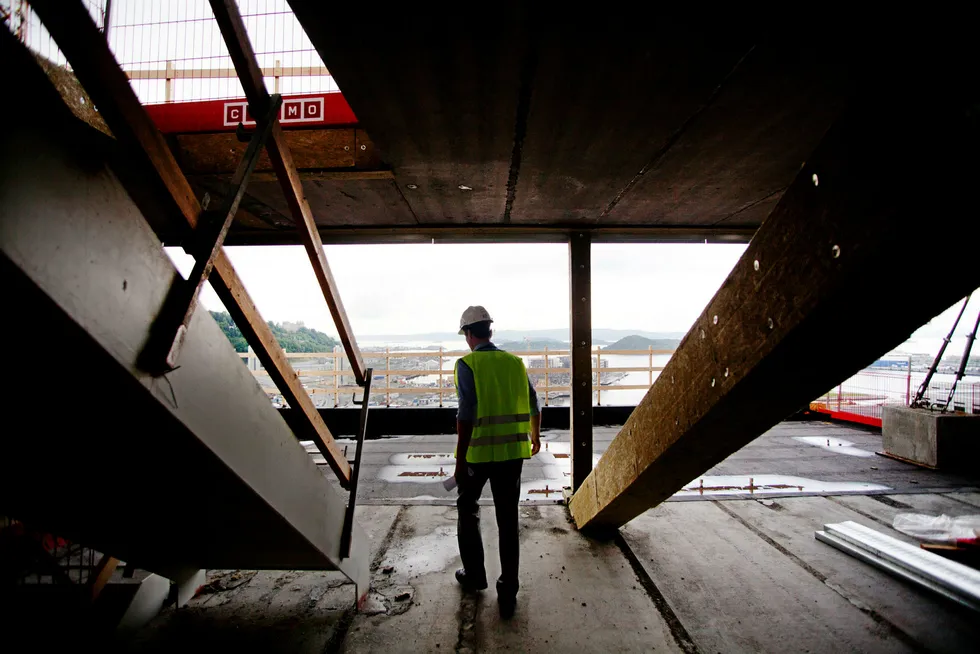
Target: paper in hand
[(449, 483)]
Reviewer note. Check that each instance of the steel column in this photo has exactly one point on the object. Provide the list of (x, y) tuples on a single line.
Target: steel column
[(580, 307)]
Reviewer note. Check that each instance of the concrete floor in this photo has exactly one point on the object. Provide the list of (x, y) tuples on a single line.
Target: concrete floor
[(715, 575), (791, 449)]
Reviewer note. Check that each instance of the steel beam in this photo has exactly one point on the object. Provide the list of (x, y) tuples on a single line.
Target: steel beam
[(580, 307), (494, 233), (232, 28), (92, 62), (820, 292)]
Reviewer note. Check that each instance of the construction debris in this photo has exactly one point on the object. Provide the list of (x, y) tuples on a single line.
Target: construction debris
[(947, 578)]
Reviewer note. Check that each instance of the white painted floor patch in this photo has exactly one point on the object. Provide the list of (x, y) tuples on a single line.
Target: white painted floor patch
[(834, 445), (770, 485), (423, 458)]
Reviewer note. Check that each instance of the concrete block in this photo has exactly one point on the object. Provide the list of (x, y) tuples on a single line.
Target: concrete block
[(939, 440)]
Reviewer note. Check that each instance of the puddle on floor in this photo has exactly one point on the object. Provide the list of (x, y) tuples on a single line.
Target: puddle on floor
[(770, 485), (424, 554), (834, 445)]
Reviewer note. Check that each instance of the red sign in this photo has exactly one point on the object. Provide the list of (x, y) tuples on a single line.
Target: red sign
[(321, 110)]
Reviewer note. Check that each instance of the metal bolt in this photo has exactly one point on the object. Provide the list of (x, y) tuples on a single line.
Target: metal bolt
[(816, 180), (583, 342), (364, 147), (583, 383), (712, 382), (835, 251), (346, 148), (770, 323), (81, 99), (755, 264), (715, 320), (412, 186), (702, 334), (726, 372), (582, 413)]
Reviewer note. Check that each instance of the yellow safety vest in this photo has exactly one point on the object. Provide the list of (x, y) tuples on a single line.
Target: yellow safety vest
[(503, 407)]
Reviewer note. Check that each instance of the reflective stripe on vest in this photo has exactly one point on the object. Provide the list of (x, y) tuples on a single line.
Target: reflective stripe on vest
[(503, 407)]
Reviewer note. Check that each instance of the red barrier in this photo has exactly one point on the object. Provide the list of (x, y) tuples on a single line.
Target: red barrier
[(861, 398), (316, 110)]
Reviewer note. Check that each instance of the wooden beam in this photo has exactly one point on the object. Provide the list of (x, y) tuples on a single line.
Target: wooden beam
[(167, 335), (73, 30), (818, 294), (580, 307), (240, 48), (102, 574), (330, 175)]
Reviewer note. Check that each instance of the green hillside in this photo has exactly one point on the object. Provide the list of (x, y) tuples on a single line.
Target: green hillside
[(642, 343), (303, 339)]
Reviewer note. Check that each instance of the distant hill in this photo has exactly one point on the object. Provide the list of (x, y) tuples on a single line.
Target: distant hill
[(599, 335), (302, 339), (534, 344), (635, 342)]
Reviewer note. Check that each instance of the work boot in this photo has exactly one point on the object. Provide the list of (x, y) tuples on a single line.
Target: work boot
[(506, 599), (507, 604), (468, 583)]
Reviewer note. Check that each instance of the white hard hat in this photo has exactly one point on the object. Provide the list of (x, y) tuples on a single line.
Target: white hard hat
[(472, 315)]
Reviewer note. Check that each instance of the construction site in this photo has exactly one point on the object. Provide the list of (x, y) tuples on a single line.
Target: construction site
[(751, 501)]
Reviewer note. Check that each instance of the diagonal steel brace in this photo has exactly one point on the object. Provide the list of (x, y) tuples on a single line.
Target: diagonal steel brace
[(160, 353), (345, 535)]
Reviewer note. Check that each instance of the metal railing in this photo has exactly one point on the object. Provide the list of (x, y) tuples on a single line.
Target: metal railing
[(174, 52), (862, 398), (427, 377)]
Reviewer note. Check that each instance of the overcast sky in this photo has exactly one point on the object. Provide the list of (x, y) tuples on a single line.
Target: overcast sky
[(405, 289), (408, 289)]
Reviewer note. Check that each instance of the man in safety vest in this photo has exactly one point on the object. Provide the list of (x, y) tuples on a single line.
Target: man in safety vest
[(498, 426)]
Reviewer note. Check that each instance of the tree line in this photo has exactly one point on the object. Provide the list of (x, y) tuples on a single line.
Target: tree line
[(303, 339)]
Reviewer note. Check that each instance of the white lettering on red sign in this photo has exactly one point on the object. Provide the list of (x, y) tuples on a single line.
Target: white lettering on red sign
[(305, 110)]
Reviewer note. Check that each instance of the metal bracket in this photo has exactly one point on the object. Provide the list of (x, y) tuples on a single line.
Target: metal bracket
[(345, 536), (160, 353)]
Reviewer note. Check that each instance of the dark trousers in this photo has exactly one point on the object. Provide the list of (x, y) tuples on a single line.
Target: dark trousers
[(505, 483)]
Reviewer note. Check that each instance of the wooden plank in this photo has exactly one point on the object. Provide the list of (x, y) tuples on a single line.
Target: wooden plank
[(216, 154), (803, 277), (102, 574), (240, 48), (580, 306), (329, 175), (96, 68), (163, 346)]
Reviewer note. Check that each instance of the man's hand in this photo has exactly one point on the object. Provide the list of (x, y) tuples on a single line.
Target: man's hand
[(462, 473), (535, 434)]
